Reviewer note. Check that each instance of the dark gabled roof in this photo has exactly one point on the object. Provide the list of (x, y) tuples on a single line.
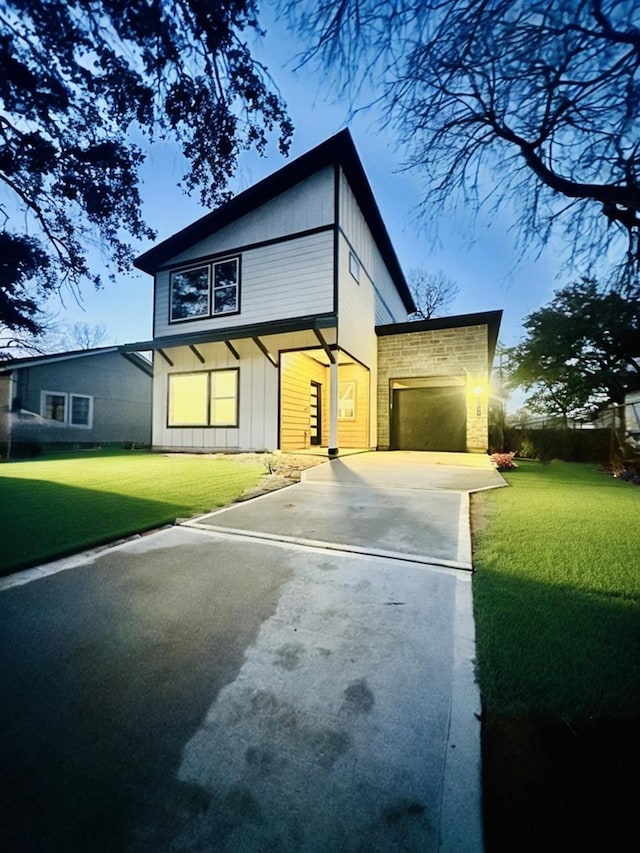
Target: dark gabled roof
[(491, 319), (54, 358), (338, 149)]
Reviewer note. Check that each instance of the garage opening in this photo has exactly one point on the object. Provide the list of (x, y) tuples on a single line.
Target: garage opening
[(429, 413)]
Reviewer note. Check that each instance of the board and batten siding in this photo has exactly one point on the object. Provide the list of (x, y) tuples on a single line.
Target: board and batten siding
[(258, 391), (389, 307), (293, 278), (257, 428)]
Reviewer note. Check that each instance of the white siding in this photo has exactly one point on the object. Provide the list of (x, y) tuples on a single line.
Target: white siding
[(389, 307), (306, 206), (258, 393), (356, 310), (283, 280)]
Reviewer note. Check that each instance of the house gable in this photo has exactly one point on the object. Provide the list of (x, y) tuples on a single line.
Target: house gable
[(280, 238)]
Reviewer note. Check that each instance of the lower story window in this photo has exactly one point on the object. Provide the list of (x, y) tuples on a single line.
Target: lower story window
[(208, 398), (65, 408), (54, 407), (80, 410)]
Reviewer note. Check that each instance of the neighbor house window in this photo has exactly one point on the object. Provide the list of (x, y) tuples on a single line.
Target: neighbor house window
[(55, 407), (354, 267), (80, 410), (347, 400), (205, 290), (203, 399), (64, 408)]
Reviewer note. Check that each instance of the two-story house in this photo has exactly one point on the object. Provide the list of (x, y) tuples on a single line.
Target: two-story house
[(274, 313)]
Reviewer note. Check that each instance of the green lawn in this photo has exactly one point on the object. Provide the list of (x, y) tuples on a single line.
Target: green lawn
[(61, 504), (557, 592), (557, 609)]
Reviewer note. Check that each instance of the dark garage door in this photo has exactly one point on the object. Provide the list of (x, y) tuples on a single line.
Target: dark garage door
[(429, 419)]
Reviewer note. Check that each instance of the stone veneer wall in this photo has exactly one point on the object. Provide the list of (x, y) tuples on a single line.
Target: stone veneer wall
[(443, 352)]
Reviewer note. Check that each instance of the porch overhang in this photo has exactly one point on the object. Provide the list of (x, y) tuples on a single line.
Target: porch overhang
[(227, 335)]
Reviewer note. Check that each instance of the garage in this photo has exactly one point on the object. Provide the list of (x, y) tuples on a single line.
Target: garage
[(429, 414)]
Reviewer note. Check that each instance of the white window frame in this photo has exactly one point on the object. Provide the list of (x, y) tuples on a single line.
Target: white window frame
[(89, 423), (69, 397)]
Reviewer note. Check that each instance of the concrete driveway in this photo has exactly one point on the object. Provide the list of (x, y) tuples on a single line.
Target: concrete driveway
[(294, 673)]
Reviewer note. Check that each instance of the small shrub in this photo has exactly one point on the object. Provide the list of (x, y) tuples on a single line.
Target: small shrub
[(527, 449), (503, 461)]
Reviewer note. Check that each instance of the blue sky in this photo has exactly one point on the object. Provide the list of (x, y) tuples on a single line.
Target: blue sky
[(480, 257)]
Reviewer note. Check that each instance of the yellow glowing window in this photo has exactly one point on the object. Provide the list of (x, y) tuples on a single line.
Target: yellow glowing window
[(347, 400), (224, 398), (188, 393)]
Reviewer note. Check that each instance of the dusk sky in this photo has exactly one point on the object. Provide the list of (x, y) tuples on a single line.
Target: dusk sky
[(480, 257)]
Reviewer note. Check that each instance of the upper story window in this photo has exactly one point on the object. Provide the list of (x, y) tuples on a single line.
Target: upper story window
[(354, 267), (205, 290), (70, 409)]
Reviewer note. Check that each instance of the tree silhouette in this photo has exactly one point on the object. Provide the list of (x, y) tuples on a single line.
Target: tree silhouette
[(579, 352), (433, 292), (531, 102), (83, 87)]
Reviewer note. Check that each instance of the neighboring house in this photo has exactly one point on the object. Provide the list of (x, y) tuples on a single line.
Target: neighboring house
[(94, 396), (280, 322)]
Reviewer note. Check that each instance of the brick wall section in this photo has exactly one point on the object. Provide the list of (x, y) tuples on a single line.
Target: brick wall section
[(458, 352)]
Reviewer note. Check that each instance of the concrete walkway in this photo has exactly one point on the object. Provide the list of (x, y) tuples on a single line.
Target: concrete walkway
[(380, 649), (293, 673)]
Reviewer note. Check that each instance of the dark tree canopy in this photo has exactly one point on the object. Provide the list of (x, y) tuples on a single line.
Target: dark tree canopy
[(581, 351), (534, 102), (84, 85)]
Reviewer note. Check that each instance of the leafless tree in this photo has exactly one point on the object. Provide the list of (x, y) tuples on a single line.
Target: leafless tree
[(530, 102), (85, 336), (433, 293)]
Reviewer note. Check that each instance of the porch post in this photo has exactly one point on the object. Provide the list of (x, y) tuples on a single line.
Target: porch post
[(333, 409)]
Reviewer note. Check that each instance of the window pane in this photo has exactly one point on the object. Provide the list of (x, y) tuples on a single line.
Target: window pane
[(80, 410), (188, 399), (54, 407), (346, 401), (226, 273), (225, 287), (225, 299), (190, 293), (224, 383), (354, 267), (224, 398), (223, 412)]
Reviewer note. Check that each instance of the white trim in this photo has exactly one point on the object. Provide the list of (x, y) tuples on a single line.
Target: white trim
[(68, 397)]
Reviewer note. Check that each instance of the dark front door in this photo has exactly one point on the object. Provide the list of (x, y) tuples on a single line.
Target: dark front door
[(315, 413), (429, 419)]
